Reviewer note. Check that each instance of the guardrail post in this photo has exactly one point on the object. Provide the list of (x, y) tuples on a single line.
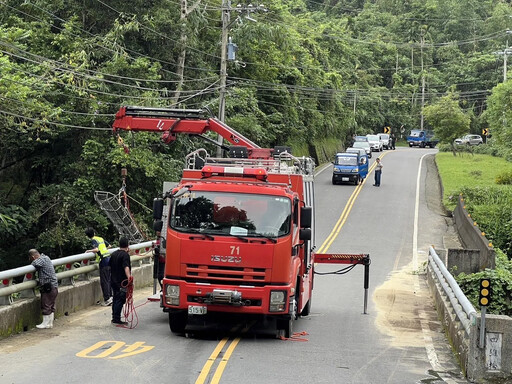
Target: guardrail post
[(6, 300), (28, 293), (85, 276), (148, 259), (68, 280), (136, 263)]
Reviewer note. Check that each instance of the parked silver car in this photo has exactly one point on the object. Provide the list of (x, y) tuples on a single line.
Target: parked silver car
[(365, 145), (470, 140)]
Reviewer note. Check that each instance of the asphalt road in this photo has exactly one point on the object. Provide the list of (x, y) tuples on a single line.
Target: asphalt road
[(399, 339)]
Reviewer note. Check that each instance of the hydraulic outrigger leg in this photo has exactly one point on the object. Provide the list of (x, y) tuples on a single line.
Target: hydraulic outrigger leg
[(344, 258)]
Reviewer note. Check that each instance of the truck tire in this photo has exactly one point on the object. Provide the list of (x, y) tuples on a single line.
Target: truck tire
[(178, 321), (284, 324), (333, 181), (410, 145), (284, 327), (356, 181), (422, 145)]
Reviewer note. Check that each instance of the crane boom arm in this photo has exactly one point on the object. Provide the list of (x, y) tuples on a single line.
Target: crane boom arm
[(174, 121)]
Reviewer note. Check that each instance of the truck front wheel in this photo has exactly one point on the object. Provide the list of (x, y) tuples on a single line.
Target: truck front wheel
[(178, 321), (284, 324), (410, 145), (422, 145)]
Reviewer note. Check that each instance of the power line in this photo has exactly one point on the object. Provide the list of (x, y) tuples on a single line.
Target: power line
[(53, 122), (159, 34)]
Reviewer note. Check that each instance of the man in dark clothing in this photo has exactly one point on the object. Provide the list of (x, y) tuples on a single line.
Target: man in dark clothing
[(100, 248), (120, 278), (48, 286)]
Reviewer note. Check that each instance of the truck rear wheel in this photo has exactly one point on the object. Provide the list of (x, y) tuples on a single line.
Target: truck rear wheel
[(178, 321), (422, 145)]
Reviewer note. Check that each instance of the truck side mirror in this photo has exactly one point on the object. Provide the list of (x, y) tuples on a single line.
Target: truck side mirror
[(158, 225), (158, 208), (305, 217), (305, 234)]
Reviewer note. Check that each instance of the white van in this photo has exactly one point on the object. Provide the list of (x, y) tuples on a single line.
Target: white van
[(385, 140)]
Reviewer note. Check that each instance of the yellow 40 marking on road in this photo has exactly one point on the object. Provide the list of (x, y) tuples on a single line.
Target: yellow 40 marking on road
[(115, 346)]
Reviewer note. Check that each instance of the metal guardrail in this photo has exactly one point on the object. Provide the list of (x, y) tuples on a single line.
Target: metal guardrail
[(463, 308), (7, 288)]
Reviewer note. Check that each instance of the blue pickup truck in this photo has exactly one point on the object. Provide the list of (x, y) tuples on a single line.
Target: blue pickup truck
[(422, 139), (350, 167)]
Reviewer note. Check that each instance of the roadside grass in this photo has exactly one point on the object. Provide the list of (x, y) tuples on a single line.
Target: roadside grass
[(468, 170)]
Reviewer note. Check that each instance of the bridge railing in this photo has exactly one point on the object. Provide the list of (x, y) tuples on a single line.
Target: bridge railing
[(82, 264), (463, 308)]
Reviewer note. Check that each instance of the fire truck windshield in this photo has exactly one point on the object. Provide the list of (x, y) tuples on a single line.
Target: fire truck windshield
[(231, 214)]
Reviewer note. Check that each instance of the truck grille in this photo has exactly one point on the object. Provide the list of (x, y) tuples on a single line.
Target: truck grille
[(226, 275)]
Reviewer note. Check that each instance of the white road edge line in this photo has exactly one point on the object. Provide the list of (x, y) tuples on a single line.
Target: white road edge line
[(324, 167), (425, 329)]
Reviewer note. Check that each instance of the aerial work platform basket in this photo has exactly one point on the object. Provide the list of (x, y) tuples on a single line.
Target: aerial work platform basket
[(120, 215)]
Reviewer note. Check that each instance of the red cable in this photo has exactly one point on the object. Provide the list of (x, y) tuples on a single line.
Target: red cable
[(129, 313), (296, 336)]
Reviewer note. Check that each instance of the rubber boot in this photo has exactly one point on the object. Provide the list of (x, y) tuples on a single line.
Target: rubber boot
[(50, 322), (45, 323)]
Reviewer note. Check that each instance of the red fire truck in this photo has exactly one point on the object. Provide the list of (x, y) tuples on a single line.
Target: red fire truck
[(238, 232)]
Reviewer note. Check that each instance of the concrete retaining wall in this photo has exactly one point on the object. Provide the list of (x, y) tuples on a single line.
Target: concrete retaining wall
[(26, 313), (472, 238)]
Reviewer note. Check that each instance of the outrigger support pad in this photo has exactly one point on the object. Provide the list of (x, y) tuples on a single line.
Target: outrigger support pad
[(345, 258)]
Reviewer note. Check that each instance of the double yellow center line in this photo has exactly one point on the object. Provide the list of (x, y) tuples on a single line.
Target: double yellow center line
[(344, 215), (216, 355)]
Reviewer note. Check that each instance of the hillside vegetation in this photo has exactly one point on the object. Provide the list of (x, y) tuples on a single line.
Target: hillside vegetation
[(307, 74)]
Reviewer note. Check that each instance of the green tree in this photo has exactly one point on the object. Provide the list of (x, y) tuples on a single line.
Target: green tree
[(448, 119), (499, 115)]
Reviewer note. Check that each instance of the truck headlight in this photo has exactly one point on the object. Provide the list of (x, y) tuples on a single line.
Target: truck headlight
[(355, 170), (336, 170), (172, 294), (277, 301)]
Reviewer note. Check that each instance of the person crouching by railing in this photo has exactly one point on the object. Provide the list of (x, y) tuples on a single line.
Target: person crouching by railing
[(47, 286)]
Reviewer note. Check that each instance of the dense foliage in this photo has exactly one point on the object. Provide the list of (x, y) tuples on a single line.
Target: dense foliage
[(491, 207), (501, 278), (308, 74)]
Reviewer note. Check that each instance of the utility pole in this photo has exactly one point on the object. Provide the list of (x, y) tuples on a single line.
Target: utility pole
[(422, 83), (226, 16), (507, 51), (226, 23)]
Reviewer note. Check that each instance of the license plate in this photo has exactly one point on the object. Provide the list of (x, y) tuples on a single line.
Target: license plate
[(196, 310), (344, 179)]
